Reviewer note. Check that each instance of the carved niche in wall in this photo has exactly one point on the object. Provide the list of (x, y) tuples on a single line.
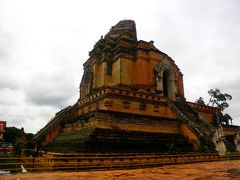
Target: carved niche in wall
[(87, 82), (142, 106), (126, 104), (165, 74), (108, 102)]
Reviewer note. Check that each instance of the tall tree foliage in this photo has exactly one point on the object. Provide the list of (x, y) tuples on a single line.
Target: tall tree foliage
[(18, 138), (219, 99), (200, 100)]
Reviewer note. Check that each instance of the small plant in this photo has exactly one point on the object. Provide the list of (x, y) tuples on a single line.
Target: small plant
[(98, 47)]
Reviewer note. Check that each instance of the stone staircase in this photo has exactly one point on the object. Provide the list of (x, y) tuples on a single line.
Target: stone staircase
[(59, 117), (201, 128)]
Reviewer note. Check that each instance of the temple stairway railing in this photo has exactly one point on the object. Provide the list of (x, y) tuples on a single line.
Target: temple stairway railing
[(59, 117), (201, 128)]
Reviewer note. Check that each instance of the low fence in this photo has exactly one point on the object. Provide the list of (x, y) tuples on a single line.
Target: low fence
[(76, 162)]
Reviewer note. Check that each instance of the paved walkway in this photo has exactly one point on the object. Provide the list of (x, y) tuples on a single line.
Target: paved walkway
[(221, 170)]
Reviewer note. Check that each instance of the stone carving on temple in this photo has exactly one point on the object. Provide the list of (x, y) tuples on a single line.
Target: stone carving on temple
[(108, 102), (224, 119), (237, 140), (126, 104), (218, 140)]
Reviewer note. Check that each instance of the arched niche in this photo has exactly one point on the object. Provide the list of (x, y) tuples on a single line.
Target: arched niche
[(168, 85), (166, 79), (86, 83)]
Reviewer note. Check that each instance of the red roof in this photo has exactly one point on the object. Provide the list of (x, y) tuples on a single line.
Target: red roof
[(2, 126), (3, 123)]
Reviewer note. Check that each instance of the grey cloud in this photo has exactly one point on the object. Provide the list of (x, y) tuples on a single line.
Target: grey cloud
[(230, 86), (50, 90), (19, 116), (7, 82), (5, 46), (3, 52), (6, 102), (13, 115)]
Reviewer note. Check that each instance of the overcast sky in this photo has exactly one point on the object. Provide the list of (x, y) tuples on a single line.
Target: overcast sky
[(44, 43)]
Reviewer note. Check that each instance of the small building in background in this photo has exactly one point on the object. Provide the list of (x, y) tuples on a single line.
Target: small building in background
[(2, 127)]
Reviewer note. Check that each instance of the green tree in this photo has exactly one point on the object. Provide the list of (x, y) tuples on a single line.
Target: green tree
[(218, 99), (10, 134), (17, 137), (200, 100), (29, 144)]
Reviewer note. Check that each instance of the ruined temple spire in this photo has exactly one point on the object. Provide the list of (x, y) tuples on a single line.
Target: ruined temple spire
[(120, 41), (127, 27)]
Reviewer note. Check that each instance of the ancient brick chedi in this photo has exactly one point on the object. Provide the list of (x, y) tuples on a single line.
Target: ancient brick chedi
[(132, 99)]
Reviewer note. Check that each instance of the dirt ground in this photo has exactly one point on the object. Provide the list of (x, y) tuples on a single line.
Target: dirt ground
[(222, 170)]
